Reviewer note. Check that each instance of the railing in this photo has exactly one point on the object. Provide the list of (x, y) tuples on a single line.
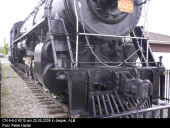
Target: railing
[(167, 86)]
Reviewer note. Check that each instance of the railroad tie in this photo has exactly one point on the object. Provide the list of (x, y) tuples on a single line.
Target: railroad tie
[(53, 107), (40, 96), (47, 103), (44, 100), (37, 91), (55, 111), (34, 88)]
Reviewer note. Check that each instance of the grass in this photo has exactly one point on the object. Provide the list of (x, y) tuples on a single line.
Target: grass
[(11, 102), (3, 89), (3, 67), (2, 70), (3, 92)]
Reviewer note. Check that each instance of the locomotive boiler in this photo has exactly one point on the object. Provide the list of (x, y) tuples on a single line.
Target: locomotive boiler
[(78, 50)]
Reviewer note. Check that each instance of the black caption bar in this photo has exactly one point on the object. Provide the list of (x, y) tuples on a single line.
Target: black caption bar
[(34, 122)]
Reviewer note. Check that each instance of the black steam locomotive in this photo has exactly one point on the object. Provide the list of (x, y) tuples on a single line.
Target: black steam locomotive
[(84, 52)]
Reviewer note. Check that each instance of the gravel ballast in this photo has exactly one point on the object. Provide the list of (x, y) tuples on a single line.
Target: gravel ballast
[(18, 101)]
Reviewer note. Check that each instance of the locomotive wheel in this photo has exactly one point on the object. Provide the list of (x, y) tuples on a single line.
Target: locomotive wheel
[(96, 22), (50, 81)]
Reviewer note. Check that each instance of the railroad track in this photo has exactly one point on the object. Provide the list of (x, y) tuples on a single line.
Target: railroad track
[(53, 106)]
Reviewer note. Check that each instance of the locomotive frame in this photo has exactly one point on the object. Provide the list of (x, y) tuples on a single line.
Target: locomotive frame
[(86, 92)]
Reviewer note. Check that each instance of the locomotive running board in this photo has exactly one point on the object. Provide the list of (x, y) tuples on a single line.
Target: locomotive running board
[(30, 31)]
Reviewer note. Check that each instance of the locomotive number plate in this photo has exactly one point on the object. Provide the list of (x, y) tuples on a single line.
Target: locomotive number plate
[(126, 6)]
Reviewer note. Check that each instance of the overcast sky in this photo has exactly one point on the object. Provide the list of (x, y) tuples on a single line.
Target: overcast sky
[(12, 11)]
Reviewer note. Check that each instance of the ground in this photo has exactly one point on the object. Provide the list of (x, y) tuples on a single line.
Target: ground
[(17, 100)]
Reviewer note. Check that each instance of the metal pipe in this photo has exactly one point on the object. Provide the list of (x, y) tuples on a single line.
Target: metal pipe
[(116, 62), (147, 53), (168, 86), (77, 35), (104, 35), (140, 111), (51, 36)]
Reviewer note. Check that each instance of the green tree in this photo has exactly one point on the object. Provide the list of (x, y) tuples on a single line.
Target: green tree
[(4, 50)]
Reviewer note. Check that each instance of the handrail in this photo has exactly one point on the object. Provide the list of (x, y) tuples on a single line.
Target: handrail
[(116, 36), (35, 9)]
